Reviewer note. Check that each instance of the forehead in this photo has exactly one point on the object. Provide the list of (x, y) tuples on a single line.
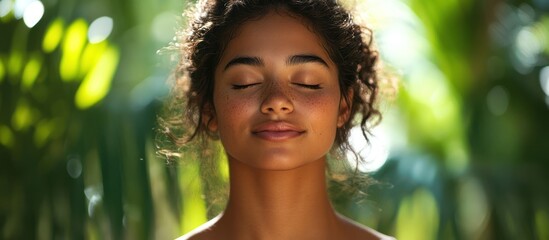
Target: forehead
[(277, 31)]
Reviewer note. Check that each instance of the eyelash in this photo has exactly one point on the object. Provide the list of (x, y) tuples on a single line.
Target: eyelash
[(309, 86), (244, 86)]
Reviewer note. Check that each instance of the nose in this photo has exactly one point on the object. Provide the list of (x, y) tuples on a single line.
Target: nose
[(276, 101)]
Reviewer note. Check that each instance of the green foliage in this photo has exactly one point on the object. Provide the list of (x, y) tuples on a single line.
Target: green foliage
[(74, 147), (78, 119)]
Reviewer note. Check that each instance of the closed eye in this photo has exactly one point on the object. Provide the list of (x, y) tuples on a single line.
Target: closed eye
[(309, 86), (243, 86)]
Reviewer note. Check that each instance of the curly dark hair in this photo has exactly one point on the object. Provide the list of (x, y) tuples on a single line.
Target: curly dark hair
[(347, 43), (215, 22)]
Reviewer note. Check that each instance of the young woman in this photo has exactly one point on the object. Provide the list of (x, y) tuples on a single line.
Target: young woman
[(278, 83)]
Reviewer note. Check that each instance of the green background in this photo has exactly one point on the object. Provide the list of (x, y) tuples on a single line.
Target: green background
[(467, 134)]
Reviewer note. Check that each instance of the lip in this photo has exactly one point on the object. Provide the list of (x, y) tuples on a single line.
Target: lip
[(277, 131)]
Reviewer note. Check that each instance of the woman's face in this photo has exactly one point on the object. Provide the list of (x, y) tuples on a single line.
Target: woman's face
[(277, 101)]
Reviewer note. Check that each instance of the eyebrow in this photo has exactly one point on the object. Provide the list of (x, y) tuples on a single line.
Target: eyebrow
[(305, 58), (292, 60), (253, 61)]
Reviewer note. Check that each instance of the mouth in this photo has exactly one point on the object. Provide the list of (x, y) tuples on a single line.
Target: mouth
[(277, 131)]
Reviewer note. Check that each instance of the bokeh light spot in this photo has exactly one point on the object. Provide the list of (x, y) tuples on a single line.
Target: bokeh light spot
[(5, 7), (93, 194), (100, 29), (31, 72), (6, 136), (53, 35), (91, 54), (74, 42), (23, 116), (74, 167), (417, 216), (92, 205), (163, 25), (527, 49), (43, 132), (97, 83), (497, 100), (33, 13), (373, 154), (544, 80), (526, 13), (473, 211), (20, 6), (15, 63)]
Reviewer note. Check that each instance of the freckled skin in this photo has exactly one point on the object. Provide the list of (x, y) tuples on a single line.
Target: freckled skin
[(238, 111)]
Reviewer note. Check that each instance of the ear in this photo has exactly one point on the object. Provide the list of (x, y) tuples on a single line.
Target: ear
[(209, 119), (345, 106)]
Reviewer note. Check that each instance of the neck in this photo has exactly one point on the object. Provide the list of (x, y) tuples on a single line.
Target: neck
[(266, 204)]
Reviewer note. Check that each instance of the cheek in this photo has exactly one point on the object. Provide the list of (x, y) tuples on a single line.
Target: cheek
[(322, 114), (325, 105), (231, 109)]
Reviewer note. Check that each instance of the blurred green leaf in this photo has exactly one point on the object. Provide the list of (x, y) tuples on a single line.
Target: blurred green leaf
[(6, 136), (97, 82), (24, 116), (73, 44), (418, 217), (53, 36), (31, 71)]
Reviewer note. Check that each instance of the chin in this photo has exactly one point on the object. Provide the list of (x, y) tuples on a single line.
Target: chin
[(277, 162)]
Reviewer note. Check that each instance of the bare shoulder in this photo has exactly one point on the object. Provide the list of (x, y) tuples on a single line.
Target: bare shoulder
[(202, 232), (357, 231)]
